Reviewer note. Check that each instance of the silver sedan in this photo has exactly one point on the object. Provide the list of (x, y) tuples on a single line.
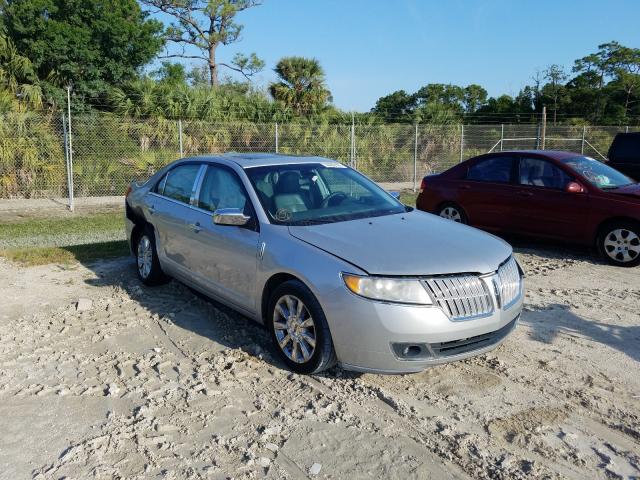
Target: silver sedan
[(335, 267)]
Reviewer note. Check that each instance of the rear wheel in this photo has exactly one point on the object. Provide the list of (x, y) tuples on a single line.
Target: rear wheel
[(148, 266), (299, 329), (619, 243), (454, 212)]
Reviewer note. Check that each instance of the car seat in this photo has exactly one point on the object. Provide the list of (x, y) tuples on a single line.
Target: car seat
[(288, 193)]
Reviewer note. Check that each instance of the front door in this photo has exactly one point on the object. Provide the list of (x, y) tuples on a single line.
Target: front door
[(542, 207), (224, 257)]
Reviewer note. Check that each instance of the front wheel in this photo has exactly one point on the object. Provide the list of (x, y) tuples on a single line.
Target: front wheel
[(453, 212), (619, 243), (299, 329)]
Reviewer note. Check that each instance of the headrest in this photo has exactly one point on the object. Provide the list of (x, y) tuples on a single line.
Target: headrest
[(289, 182)]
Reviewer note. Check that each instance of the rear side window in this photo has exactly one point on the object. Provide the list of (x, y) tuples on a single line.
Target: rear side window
[(497, 170), (625, 148), (541, 173), (178, 183)]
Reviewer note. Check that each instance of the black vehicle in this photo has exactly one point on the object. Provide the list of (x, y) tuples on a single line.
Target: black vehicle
[(624, 154)]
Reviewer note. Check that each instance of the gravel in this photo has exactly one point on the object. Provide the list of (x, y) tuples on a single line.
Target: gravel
[(158, 383)]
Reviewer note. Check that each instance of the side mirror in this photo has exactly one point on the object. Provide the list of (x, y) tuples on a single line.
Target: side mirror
[(395, 195), (574, 187), (230, 216)]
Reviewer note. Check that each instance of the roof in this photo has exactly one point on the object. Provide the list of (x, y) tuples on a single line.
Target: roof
[(554, 154), (255, 159)]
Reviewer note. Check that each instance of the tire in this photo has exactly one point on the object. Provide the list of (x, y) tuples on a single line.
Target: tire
[(303, 341), (147, 264), (619, 243), (452, 211)]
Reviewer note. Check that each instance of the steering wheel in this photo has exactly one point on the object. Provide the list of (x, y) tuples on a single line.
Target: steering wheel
[(334, 199)]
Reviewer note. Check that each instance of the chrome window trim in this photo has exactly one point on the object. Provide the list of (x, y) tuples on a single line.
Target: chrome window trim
[(195, 191), (163, 182), (178, 202), (201, 210)]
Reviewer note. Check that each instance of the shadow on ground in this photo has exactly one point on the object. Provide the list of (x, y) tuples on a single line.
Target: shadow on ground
[(557, 319), (174, 303), (550, 249), (207, 318)]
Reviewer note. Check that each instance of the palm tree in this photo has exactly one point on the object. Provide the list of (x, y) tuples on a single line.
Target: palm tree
[(302, 85), (18, 80)]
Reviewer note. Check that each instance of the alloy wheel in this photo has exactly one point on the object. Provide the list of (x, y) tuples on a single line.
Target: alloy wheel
[(294, 328), (622, 245), (145, 256), (451, 213)]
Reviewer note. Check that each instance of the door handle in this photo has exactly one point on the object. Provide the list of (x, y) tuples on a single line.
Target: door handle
[(196, 227), (465, 187), (524, 193)]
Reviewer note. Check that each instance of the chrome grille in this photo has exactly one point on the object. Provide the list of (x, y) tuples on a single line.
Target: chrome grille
[(461, 296), (510, 282)]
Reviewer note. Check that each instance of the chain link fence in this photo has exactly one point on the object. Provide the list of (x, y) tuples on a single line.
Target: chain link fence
[(109, 151)]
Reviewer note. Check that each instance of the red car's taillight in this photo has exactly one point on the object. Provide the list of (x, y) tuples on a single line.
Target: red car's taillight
[(423, 184), (128, 191)]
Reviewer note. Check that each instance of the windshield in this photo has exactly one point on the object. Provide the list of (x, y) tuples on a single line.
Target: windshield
[(313, 193), (598, 173)]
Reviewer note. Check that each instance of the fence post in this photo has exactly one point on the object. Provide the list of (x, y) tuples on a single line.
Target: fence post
[(501, 136), (415, 161), (180, 136), (461, 142), (276, 137), (352, 159), (70, 150), (66, 157), (544, 127), (584, 133), (626, 129)]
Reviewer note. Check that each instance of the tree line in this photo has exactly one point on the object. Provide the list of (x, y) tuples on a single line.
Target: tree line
[(102, 51), (601, 88)]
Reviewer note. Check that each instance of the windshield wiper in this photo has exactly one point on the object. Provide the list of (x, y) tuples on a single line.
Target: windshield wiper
[(613, 187)]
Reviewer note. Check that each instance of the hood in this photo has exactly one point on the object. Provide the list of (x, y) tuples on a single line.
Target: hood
[(414, 243), (632, 190)]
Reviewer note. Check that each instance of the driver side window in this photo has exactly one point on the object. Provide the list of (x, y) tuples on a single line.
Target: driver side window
[(221, 188), (537, 172)]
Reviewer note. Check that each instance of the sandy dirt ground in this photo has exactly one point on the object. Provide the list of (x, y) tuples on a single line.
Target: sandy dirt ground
[(158, 383)]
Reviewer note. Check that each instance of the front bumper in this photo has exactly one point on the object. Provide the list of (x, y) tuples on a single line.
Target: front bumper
[(366, 333)]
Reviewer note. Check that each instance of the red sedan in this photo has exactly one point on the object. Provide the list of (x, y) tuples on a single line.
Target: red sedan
[(550, 194)]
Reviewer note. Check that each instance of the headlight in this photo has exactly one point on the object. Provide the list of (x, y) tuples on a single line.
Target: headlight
[(395, 290)]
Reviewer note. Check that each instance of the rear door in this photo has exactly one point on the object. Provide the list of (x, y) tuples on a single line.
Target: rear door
[(487, 192), (542, 207), (223, 258), (171, 214)]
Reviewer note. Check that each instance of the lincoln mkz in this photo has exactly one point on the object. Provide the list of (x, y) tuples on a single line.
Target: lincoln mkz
[(337, 269)]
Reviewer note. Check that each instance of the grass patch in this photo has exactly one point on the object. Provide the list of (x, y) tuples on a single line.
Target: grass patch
[(29, 257), (408, 197), (85, 224)]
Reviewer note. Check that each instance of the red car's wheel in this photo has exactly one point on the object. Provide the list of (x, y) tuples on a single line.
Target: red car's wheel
[(451, 211), (619, 243)]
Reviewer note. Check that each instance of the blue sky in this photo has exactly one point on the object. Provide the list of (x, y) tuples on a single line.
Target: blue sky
[(370, 48)]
